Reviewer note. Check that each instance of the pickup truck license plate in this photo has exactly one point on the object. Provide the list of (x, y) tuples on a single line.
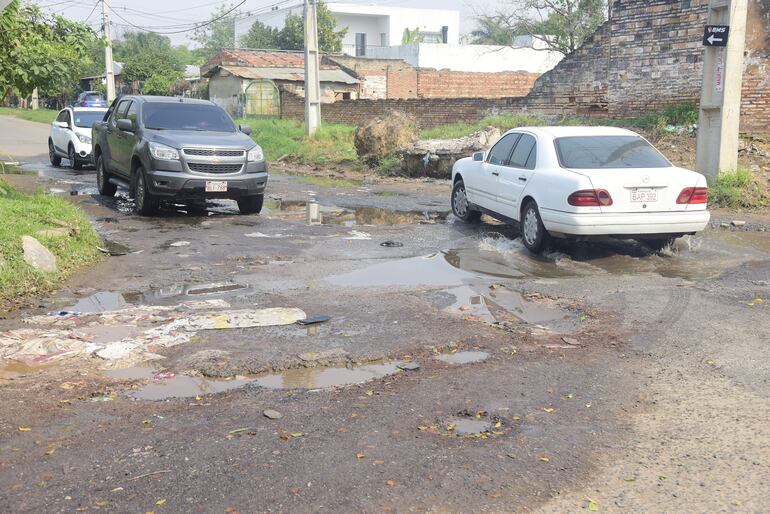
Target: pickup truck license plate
[(644, 196), (213, 186)]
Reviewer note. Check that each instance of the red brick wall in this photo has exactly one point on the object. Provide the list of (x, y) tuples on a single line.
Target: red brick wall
[(402, 83), (458, 84), (429, 112)]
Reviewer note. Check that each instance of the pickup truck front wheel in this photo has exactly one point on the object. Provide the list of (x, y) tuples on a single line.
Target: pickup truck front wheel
[(251, 204), (106, 188), (145, 204)]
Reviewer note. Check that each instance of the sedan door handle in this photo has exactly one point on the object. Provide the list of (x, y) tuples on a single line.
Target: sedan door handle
[(496, 173), (523, 179)]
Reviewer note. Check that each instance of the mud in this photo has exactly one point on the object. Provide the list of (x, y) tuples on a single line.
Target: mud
[(460, 358), (335, 215)]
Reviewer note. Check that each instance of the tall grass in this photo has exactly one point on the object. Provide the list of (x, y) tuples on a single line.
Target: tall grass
[(39, 115)]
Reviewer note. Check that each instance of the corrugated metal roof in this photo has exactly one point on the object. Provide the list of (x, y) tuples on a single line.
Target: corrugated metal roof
[(286, 74)]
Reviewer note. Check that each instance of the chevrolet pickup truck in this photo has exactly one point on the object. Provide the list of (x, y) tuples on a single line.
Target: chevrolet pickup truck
[(177, 149)]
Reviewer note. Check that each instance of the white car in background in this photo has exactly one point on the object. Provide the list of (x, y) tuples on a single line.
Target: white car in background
[(580, 182), (71, 135)]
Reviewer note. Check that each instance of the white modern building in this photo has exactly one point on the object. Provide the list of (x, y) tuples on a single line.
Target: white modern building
[(527, 54), (371, 27)]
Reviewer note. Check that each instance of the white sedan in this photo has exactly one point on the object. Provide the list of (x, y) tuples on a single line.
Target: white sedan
[(580, 182)]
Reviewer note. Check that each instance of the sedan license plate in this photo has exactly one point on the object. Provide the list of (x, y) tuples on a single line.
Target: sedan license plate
[(216, 186), (645, 196)]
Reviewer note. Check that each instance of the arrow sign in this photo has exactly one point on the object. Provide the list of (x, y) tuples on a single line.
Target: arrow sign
[(716, 35)]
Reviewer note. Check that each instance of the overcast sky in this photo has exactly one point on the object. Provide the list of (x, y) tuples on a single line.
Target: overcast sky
[(168, 15)]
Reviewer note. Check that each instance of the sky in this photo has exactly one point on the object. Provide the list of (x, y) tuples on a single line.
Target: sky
[(169, 15)]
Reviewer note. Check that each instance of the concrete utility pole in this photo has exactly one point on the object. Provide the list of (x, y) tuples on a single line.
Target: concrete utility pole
[(720, 104), (312, 73), (109, 73)]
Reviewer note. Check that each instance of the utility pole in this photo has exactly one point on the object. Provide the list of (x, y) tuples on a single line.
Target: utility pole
[(312, 78), (720, 105), (108, 65)]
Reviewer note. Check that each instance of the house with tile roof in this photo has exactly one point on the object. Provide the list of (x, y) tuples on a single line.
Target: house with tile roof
[(249, 82)]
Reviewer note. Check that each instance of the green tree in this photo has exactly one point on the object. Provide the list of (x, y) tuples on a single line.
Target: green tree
[(260, 36), (292, 36), (47, 52), (412, 37), (159, 84), (493, 30), (562, 25), (218, 34)]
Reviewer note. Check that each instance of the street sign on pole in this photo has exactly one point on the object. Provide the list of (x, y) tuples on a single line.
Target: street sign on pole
[(720, 103), (716, 35)]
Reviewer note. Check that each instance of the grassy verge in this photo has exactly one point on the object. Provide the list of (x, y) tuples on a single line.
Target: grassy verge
[(737, 190), (24, 214), (40, 115), (332, 144)]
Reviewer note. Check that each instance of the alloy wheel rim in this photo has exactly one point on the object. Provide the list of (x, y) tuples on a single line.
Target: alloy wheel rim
[(530, 227), (140, 192), (460, 202)]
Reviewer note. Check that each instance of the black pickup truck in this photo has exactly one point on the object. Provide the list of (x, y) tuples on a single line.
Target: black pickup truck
[(177, 149)]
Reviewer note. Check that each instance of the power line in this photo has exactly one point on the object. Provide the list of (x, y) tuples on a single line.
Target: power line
[(197, 26), (96, 4)]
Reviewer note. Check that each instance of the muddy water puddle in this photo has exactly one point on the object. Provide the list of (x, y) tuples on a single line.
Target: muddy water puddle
[(10, 369), (464, 426), (333, 215), (321, 378), (163, 386), (460, 358)]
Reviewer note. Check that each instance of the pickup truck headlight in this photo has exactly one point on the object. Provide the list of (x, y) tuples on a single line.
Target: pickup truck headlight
[(84, 139), (256, 154), (163, 152)]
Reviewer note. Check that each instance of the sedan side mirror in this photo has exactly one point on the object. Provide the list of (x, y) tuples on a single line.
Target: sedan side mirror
[(479, 156), (125, 125), (61, 124), (246, 129)]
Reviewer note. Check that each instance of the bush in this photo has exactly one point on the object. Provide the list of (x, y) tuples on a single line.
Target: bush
[(737, 190)]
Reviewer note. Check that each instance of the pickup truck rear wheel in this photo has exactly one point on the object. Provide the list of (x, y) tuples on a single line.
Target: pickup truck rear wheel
[(55, 159), (106, 188), (145, 204), (251, 204)]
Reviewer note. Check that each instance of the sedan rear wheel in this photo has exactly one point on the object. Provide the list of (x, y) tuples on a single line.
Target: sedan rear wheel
[(533, 233), (461, 207)]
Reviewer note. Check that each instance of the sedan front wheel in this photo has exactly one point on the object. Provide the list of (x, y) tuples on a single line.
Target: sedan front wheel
[(461, 207)]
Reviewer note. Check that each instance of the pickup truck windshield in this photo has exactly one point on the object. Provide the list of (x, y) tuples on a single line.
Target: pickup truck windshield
[(608, 152), (186, 116)]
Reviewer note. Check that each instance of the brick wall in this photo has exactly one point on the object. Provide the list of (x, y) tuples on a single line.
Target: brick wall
[(427, 112), (457, 84)]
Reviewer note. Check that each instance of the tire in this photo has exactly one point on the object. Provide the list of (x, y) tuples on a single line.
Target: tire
[(658, 244), (55, 159), (196, 208), (533, 233), (251, 204), (102, 179), (145, 204), (74, 162), (461, 207)]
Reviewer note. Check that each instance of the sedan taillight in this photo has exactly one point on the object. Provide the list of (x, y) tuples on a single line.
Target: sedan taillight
[(590, 198), (693, 195)]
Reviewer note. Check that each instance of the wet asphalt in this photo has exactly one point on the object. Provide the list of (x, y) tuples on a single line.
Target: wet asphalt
[(614, 376)]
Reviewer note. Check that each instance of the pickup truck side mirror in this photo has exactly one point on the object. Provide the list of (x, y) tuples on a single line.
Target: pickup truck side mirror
[(61, 124), (125, 125), (479, 156), (246, 129)]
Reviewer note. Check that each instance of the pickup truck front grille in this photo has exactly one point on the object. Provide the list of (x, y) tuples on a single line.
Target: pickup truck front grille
[(214, 168), (213, 152)]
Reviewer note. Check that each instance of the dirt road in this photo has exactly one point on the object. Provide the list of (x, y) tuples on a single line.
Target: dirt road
[(601, 376)]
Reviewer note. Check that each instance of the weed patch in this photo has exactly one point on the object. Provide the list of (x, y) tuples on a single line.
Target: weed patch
[(39, 115), (737, 190)]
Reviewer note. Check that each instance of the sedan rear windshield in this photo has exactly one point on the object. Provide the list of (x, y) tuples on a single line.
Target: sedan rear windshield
[(186, 116), (608, 152), (84, 119)]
